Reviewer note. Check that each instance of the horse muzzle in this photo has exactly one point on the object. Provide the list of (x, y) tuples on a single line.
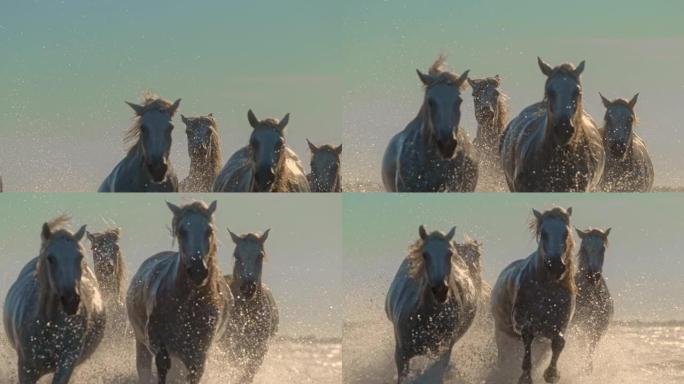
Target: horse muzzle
[(158, 170), (441, 292), (264, 180), (70, 303), (198, 275), (447, 148), (556, 267), (247, 290)]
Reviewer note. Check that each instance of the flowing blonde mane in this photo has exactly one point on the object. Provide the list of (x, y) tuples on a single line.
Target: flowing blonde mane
[(441, 75)]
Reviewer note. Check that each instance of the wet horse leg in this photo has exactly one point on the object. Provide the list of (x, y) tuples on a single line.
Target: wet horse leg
[(143, 363), (402, 361), (443, 362), (27, 374), (65, 369), (551, 375), (163, 362), (195, 365), (527, 338)]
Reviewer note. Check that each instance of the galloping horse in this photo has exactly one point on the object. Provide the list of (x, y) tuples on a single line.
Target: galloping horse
[(204, 149), (178, 301), (432, 301), (266, 164), (53, 315), (254, 319), (109, 264), (594, 303), (146, 167), (432, 154), (325, 168), (628, 165), (535, 297), (554, 145)]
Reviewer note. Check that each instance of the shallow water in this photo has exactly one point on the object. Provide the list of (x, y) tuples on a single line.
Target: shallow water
[(288, 360), (627, 354)]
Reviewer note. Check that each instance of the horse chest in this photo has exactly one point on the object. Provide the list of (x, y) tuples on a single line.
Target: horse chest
[(429, 173), (545, 309), (623, 175), (432, 327), (195, 323), (594, 305), (49, 342), (251, 322)]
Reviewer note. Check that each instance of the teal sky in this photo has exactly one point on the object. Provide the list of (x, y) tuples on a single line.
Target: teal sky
[(304, 246), (68, 66), (643, 263), (628, 46)]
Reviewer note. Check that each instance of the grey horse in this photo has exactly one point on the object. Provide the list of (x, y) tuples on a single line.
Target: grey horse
[(432, 154), (266, 164), (432, 300), (146, 167), (628, 165), (554, 145), (535, 297), (53, 315), (178, 302), (491, 111), (254, 319), (594, 303), (108, 264), (204, 149), (325, 168)]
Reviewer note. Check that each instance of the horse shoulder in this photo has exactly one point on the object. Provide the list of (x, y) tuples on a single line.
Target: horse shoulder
[(236, 173)]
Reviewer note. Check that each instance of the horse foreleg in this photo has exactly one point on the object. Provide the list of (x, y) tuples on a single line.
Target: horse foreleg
[(27, 374), (402, 362), (551, 374), (64, 370), (143, 363), (443, 362), (527, 338), (163, 362)]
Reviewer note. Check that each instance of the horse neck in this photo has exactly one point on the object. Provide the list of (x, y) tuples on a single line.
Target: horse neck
[(205, 166), (48, 301), (578, 122), (315, 185)]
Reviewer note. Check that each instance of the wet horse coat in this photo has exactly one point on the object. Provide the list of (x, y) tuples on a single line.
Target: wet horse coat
[(53, 314), (431, 303), (325, 168), (204, 149)]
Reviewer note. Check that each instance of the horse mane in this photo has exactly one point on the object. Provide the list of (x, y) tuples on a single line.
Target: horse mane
[(415, 254), (535, 227), (151, 102), (441, 75)]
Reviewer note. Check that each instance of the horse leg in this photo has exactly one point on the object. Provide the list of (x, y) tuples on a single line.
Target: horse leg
[(195, 362), (27, 374), (402, 361), (163, 362), (527, 338), (64, 370), (551, 374), (443, 362), (143, 363), (593, 340)]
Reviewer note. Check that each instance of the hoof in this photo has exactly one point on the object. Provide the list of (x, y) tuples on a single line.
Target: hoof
[(526, 378), (551, 375)]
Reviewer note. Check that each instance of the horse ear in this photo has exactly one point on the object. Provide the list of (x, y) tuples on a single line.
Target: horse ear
[(451, 233), (139, 109), (233, 236), (45, 233), (537, 214), (545, 68), (497, 79), (633, 102), (462, 80), (606, 232), (606, 102), (253, 121), (174, 107), (185, 120), (338, 150), (174, 208), (312, 147), (425, 79), (90, 236), (422, 232), (579, 69), (284, 121), (117, 232), (80, 234), (264, 236), (569, 211), (212, 207), (580, 233)]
